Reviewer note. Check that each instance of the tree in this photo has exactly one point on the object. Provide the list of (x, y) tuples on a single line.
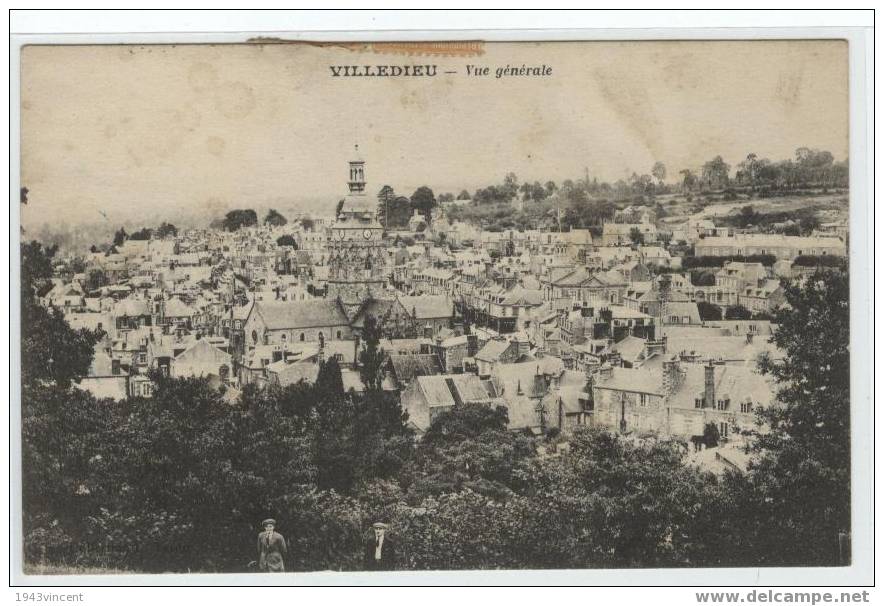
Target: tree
[(510, 185), (688, 179), (538, 192), (287, 240), (659, 172), (237, 219), (737, 312), (800, 487), (748, 216), (715, 173), (551, 187), (51, 351), (385, 196), (463, 195), (120, 236), (467, 446), (634, 502), (307, 224), (525, 189), (166, 229), (145, 233), (339, 207), (748, 169), (423, 201), (637, 237), (708, 311), (274, 218), (371, 358), (711, 436), (808, 224)]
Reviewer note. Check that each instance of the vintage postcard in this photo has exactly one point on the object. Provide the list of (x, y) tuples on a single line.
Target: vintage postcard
[(431, 306)]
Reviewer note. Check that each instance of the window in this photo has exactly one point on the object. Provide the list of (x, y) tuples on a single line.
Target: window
[(698, 402), (254, 336), (643, 399), (722, 429), (339, 335), (723, 404), (746, 407), (301, 337)]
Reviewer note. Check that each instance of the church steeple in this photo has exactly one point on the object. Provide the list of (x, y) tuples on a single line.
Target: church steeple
[(357, 173)]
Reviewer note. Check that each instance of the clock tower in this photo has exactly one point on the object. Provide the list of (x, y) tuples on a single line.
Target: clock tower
[(357, 260)]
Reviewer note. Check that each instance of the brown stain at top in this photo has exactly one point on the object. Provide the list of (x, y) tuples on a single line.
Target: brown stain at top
[(441, 48)]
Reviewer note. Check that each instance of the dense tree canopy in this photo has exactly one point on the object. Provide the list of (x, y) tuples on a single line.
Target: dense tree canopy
[(423, 201), (237, 219), (275, 218), (287, 240)]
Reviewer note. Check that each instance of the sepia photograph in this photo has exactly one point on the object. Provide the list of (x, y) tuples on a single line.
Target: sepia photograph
[(291, 306)]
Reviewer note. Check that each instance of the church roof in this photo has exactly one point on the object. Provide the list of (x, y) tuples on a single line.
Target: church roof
[(301, 314)]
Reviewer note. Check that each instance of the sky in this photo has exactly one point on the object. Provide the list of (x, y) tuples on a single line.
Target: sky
[(133, 133)]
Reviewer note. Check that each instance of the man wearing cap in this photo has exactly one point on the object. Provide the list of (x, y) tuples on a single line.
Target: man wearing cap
[(380, 549), (271, 548)]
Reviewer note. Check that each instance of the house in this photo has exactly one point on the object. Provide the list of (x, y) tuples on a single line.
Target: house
[(296, 321), (681, 312), (735, 275), (620, 234), (403, 369), (633, 271), (105, 378), (658, 256), (393, 319), (679, 399), (429, 313), (764, 297), (453, 351), (202, 359), (501, 351), (426, 397), (777, 245), (581, 284), (528, 390), (131, 313)]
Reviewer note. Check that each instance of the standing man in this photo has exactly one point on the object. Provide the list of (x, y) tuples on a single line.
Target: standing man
[(271, 548), (380, 549)]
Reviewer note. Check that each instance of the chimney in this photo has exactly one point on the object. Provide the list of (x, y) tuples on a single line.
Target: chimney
[(592, 367), (472, 345), (606, 371), (554, 379), (709, 385), (672, 375)]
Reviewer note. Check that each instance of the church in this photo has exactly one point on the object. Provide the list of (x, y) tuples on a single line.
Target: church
[(356, 257)]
